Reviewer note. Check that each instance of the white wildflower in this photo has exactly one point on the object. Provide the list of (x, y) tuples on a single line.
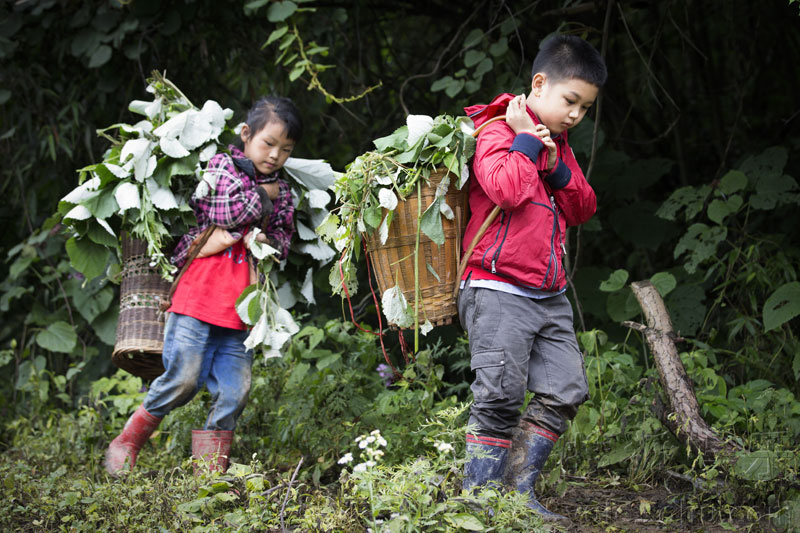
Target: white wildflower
[(444, 447), (346, 458)]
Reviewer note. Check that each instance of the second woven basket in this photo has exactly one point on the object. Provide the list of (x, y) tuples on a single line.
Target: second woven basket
[(438, 265)]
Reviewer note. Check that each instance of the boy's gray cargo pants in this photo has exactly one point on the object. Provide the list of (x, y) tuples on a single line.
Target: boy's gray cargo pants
[(520, 343)]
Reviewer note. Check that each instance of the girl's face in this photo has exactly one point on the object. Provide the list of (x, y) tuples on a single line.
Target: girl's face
[(269, 147)]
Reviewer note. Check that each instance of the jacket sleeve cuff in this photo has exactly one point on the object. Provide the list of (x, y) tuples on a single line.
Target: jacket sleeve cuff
[(559, 177), (266, 202), (528, 144)]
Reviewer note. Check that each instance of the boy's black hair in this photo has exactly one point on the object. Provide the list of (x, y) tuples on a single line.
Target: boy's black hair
[(273, 108), (565, 57)]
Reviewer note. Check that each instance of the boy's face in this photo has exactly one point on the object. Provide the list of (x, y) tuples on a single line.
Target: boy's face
[(560, 105), (268, 148)]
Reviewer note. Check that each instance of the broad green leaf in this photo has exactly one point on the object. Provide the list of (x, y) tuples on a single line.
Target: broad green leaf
[(500, 47), (454, 88), (702, 242), (327, 229), (664, 282), (431, 222), (772, 190), (161, 197), (615, 281), (328, 360), (689, 198), (310, 173), (89, 305), (373, 216), (441, 83), (99, 234), (87, 257), (782, 306), (127, 196), (280, 11), (103, 205), (473, 38), (255, 4), (19, 266), (465, 521), (318, 250), (622, 305), (105, 325), (58, 337), (483, 67), (317, 198), (396, 308), (100, 56), (296, 72), (396, 140), (733, 181), (299, 372), (277, 34), (686, 308), (473, 57)]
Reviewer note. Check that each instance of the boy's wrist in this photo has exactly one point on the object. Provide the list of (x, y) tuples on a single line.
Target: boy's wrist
[(528, 144), (559, 176)]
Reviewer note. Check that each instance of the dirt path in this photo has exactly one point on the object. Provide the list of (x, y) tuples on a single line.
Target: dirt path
[(651, 509)]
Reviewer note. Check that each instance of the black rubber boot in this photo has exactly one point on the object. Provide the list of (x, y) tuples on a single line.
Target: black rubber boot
[(531, 445), (489, 467)]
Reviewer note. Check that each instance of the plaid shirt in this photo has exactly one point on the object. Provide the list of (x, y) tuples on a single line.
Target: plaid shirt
[(235, 205)]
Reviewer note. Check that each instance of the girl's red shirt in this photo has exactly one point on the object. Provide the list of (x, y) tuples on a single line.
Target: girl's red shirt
[(210, 286)]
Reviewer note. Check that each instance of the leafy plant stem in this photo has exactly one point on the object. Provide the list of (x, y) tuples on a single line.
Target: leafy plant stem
[(416, 269)]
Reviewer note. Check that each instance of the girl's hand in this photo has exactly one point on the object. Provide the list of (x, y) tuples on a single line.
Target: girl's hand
[(517, 116), (260, 238), (543, 133)]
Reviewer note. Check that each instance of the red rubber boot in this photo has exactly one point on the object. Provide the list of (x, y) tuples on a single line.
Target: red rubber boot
[(212, 448), (125, 448)]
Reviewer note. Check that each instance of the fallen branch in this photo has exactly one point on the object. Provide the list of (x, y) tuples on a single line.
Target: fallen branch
[(682, 414), (288, 491)]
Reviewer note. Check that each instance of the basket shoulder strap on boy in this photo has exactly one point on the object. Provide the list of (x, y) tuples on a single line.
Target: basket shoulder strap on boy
[(194, 250), (462, 265)]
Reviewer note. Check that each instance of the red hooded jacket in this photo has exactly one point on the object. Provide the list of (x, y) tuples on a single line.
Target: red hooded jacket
[(524, 245)]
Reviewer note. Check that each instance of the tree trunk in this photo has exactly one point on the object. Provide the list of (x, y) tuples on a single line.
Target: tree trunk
[(682, 414)]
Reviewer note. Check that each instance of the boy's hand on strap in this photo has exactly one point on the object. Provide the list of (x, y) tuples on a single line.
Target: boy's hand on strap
[(517, 116), (552, 152)]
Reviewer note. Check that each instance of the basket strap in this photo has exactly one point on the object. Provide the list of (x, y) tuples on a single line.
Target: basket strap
[(462, 265), (194, 251)]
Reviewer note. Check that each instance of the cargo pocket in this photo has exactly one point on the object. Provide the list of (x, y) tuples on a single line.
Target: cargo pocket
[(489, 367)]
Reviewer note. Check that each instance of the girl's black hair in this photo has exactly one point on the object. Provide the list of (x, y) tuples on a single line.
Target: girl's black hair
[(564, 57), (275, 108)]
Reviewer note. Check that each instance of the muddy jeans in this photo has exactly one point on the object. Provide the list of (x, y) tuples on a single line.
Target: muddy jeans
[(520, 343), (197, 353)]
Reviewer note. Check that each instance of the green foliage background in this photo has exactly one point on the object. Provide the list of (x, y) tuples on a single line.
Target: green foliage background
[(693, 160)]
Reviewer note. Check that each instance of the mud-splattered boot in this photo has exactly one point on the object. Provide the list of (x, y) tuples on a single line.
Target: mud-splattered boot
[(212, 448), (531, 445), (486, 461), (125, 448)]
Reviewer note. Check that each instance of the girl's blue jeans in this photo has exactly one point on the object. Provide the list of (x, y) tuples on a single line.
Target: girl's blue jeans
[(197, 353)]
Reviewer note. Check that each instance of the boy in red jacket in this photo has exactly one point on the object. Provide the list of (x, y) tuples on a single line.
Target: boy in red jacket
[(512, 302)]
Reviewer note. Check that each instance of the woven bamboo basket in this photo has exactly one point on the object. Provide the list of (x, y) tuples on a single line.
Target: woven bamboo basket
[(140, 330), (394, 260)]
